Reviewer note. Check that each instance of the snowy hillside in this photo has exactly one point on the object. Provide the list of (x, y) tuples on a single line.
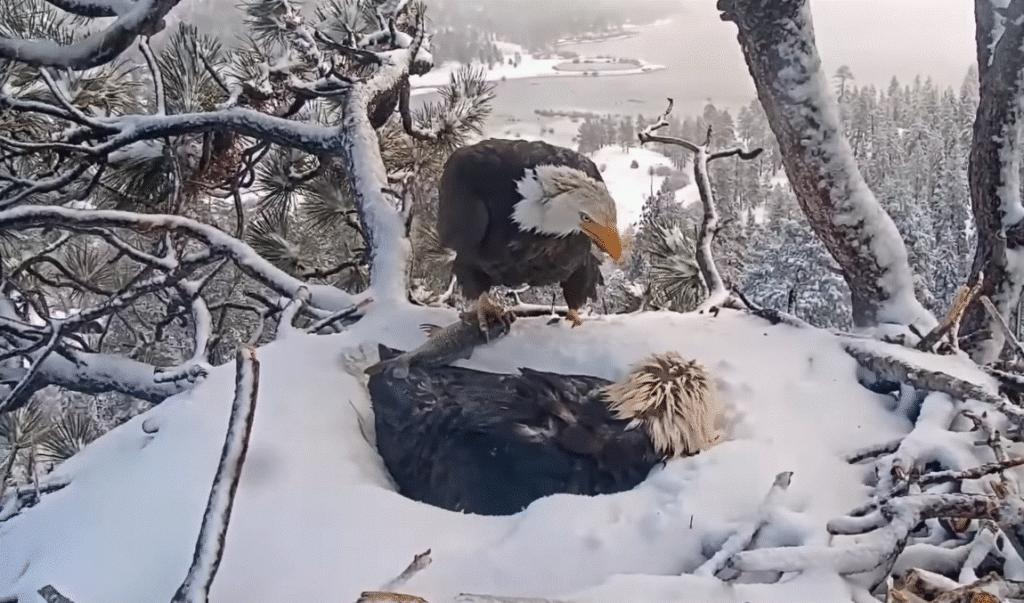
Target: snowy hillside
[(315, 512), (630, 186)]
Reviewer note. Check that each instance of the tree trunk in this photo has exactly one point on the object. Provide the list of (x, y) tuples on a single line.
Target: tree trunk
[(777, 39), (994, 174)]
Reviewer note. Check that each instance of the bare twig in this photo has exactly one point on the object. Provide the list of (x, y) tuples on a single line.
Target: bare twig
[(329, 321), (718, 294), (154, 71), (14, 397)]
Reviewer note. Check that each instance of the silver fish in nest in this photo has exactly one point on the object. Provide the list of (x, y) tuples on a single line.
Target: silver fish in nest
[(445, 345)]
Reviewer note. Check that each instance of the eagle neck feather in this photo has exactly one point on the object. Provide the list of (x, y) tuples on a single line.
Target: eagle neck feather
[(546, 206)]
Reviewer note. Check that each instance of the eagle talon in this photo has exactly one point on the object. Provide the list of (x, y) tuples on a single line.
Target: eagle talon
[(489, 314), (574, 318)]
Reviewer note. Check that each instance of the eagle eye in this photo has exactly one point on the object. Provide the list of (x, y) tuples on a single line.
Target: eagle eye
[(585, 218)]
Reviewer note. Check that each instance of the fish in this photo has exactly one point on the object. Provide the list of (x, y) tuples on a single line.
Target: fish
[(445, 345)]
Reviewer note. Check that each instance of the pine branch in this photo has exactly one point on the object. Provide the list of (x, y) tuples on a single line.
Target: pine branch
[(325, 297), (94, 49)]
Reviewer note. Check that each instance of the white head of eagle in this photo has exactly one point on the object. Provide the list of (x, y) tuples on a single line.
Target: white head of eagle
[(559, 200)]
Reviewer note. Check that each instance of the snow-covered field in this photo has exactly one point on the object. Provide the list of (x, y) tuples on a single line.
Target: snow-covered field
[(316, 514), (629, 186)]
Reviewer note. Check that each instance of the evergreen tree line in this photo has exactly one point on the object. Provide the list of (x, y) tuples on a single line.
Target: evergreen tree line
[(464, 26), (911, 142)]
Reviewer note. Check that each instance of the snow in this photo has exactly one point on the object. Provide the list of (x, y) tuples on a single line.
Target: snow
[(631, 186), (530, 66), (316, 512)]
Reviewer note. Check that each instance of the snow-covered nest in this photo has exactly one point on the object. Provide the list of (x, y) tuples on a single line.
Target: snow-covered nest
[(316, 513)]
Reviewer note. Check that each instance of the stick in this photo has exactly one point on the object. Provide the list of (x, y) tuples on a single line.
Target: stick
[(999, 320), (51, 595), (419, 562), (873, 451), (742, 538), (210, 544)]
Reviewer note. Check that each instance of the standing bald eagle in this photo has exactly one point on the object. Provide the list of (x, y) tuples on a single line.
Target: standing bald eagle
[(525, 212)]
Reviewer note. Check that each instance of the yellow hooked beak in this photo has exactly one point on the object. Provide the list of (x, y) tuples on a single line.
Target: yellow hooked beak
[(605, 236)]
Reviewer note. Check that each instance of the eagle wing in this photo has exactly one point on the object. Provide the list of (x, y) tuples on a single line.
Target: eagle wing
[(493, 443)]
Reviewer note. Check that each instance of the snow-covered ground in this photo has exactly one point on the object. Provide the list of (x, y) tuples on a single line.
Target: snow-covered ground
[(528, 67), (315, 511)]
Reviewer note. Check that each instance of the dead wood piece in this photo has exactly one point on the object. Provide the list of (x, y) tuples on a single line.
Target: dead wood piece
[(419, 562), (951, 323), (928, 380), (52, 595)]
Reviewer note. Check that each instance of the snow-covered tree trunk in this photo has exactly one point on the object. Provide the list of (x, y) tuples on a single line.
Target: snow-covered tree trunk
[(777, 38), (994, 172)]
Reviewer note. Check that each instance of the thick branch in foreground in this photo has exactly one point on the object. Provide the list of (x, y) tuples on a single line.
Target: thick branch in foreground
[(777, 39), (994, 174), (903, 371), (98, 48), (877, 551), (718, 294), (210, 544)]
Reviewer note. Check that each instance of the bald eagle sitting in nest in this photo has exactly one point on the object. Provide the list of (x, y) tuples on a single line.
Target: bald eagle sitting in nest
[(521, 212), (490, 444)]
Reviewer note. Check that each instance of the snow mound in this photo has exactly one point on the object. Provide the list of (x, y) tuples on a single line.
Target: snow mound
[(316, 511)]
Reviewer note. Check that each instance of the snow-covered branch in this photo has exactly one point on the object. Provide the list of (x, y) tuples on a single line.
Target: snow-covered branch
[(77, 220), (93, 8), (95, 49), (777, 39), (879, 548), (213, 530), (91, 373), (742, 538), (903, 371)]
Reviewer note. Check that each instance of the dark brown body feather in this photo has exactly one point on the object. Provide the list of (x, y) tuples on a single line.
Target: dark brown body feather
[(477, 197), (491, 444)]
